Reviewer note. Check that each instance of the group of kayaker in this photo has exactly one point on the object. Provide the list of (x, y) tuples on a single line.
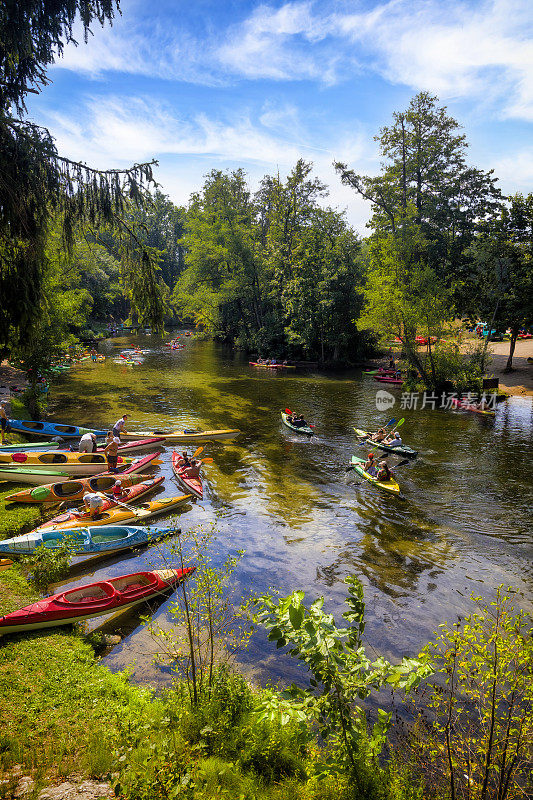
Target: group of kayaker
[(271, 362), (89, 444), (390, 439)]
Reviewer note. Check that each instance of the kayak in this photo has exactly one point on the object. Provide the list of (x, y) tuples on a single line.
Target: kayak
[(190, 484), (71, 463), (388, 486), (32, 475), (70, 491), (462, 406), (386, 379), (81, 518), (402, 450), (138, 445), (50, 428), (383, 372), (271, 366), (306, 430), (86, 541), (185, 436), (118, 515), (93, 600), (25, 447)]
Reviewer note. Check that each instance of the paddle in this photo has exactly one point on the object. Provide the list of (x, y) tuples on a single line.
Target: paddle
[(139, 512), (390, 422), (197, 453), (207, 460)]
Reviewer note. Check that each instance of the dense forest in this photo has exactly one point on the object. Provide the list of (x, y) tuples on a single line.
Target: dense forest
[(276, 271)]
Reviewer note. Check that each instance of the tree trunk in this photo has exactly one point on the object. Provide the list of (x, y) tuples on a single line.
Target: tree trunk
[(514, 336)]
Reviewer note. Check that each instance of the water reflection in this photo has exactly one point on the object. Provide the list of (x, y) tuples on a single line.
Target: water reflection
[(304, 523)]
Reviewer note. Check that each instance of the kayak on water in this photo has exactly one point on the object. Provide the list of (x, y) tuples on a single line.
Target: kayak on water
[(386, 379), (185, 436), (402, 450), (306, 430), (80, 517), (50, 428), (380, 371), (86, 541), (388, 486), (70, 491), (190, 484), (138, 445), (462, 406), (93, 600), (73, 463), (272, 366), (116, 516)]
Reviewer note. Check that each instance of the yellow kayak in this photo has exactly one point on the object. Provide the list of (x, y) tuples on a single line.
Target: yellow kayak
[(121, 515), (177, 437), (388, 486)]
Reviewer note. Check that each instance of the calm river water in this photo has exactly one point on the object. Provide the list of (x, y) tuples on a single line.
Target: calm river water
[(465, 525)]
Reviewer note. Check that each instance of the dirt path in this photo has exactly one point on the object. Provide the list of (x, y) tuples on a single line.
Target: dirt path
[(520, 381)]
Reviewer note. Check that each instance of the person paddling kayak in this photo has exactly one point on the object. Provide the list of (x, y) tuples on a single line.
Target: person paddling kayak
[(384, 473), (370, 466), (394, 441)]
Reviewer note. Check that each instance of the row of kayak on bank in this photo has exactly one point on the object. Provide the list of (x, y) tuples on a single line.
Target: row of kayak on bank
[(104, 533)]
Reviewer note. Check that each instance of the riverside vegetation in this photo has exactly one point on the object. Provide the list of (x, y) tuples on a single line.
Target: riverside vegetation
[(214, 736)]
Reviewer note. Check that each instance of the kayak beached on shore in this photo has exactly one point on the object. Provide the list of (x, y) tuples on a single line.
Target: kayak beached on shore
[(185, 436), (86, 541), (119, 515), (35, 428), (93, 600)]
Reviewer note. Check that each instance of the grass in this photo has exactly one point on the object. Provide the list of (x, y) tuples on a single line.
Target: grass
[(16, 518)]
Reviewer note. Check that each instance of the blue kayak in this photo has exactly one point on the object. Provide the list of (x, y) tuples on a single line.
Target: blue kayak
[(30, 426), (85, 541)]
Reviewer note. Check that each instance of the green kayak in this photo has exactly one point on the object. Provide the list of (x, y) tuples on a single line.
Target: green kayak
[(401, 450), (24, 447), (388, 486), (305, 430)]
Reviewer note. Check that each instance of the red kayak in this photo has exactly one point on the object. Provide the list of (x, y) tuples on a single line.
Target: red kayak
[(468, 407), (130, 495), (138, 445), (386, 379), (191, 484), (138, 465), (93, 599)]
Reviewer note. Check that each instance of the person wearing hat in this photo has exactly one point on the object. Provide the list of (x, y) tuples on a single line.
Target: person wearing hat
[(394, 441), (370, 466), (384, 473), (117, 490)]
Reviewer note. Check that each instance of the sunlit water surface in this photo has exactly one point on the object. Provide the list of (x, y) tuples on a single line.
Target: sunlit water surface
[(304, 523)]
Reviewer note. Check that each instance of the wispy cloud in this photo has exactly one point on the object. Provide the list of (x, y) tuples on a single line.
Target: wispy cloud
[(455, 49)]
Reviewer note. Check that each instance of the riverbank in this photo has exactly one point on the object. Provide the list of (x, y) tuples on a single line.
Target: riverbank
[(519, 382)]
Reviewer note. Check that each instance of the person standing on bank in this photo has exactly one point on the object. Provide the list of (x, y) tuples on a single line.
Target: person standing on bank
[(111, 453), (120, 426)]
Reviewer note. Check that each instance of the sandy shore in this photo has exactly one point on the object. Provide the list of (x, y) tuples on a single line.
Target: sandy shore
[(520, 381)]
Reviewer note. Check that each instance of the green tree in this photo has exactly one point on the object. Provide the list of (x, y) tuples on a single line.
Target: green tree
[(425, 177), (36, 182), (476, 742), (501, 282)]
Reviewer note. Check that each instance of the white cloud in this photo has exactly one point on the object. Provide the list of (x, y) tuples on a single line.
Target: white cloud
[(454, 49), (119, 131), (515, 171)]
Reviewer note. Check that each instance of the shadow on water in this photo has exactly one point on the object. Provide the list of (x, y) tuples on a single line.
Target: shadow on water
[(464, 527)]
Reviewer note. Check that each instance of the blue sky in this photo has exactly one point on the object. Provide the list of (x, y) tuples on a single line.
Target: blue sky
[(256, 85)]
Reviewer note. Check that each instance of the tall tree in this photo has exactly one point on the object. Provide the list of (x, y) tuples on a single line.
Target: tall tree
[(36, 181), (501, 281), (425, 178)]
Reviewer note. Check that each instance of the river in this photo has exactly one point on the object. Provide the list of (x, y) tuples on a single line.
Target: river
[(464, 527)]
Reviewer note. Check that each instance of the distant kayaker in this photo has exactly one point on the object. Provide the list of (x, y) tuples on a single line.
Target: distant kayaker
[(111, 454), (394, 441), (93, 503), (120, 426), (94, 354), (370, 466), (3, 421), (384, 473), (88, 443)]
